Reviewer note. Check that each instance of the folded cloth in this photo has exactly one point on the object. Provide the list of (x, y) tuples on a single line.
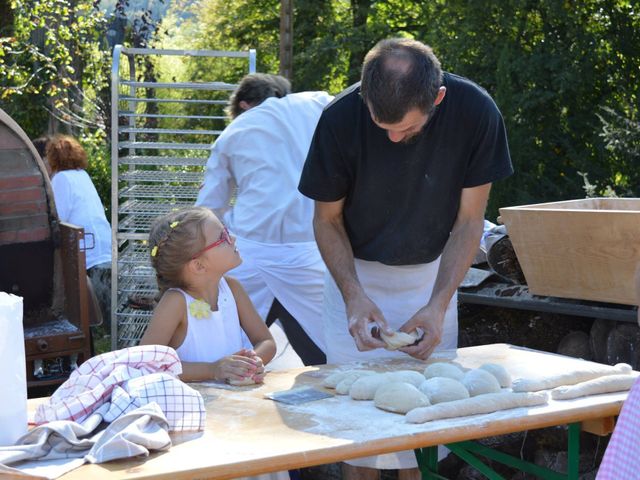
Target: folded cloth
[(57, 447), (621, 460), (137, 375)]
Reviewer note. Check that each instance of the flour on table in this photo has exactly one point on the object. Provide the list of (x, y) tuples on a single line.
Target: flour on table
[(442, 369), (443, 389), (399, 397), (479, 382)]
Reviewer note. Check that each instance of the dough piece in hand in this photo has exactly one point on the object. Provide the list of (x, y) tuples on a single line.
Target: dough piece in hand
[(588, 372), (335, 378), (488, 403), (480, 382), (606, 384), (345, 384), (399, 397), (442, 369), (399, 339), (498, 371), (443, 389), (241, 383), (365, 388)]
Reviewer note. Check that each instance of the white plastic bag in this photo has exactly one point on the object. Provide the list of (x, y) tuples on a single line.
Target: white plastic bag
[(13, 379)]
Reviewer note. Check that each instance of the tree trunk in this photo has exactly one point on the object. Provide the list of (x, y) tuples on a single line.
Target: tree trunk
[(360, 11), (6, 18)]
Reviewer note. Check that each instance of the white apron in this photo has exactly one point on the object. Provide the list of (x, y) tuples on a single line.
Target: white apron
[(399, 292)]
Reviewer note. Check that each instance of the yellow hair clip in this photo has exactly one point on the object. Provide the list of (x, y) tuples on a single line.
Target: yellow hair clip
[(154, 251), (174, 224)]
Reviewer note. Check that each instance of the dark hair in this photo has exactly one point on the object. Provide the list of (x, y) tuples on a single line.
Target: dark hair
[(398, 75), (65, 153), (255, 88), (40, 144), (173, 240)]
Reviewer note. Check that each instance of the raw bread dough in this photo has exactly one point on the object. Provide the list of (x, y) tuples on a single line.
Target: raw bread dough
[(408, 376), (399, 397), (441, 369), (480, 382), (491, 402), (606, 384), (443, 389), (365, 388), (498, 371), (345, 384), (241, 383), (399, 339), (334, 379), (589, 372)]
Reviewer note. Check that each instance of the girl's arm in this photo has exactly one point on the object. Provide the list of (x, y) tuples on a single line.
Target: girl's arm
[(263, 343)]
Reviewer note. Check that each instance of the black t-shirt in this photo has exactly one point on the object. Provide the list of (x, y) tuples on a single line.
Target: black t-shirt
[(402, 199)]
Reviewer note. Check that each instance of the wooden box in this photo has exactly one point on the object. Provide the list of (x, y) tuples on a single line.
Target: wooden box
[(585, 249)]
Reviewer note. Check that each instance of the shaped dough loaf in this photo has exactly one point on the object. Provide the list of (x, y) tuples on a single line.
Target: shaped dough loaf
[(488, 403), (241, 383), (606, 384), (334, 379), (365, 388), (399, 397), (441, 369), (480, 382), (443, 389), (399, 339), (498, 371), (570, 378), (345, 384)]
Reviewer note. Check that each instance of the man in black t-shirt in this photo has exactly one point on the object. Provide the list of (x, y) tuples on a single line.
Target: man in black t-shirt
[(400, 167)]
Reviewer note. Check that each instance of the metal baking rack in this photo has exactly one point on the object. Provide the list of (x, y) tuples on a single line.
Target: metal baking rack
[(161, 136)]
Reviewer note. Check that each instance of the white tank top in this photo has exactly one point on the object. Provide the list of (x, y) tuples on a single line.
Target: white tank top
[(220, 335)]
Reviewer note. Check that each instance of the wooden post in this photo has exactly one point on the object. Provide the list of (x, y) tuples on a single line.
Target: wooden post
[(286, 38)]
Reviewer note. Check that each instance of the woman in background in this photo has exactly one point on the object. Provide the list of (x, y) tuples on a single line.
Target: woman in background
[(78, 203)]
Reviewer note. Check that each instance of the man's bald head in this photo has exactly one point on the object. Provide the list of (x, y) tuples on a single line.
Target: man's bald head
[(399, 75)]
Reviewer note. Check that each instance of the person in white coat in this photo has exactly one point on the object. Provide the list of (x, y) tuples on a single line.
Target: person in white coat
[(258, 158)]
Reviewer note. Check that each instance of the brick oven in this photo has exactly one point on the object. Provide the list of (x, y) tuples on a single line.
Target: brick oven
[(43, 261)]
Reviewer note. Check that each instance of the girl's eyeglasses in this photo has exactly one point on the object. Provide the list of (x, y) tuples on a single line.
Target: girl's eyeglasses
[(224, 237)]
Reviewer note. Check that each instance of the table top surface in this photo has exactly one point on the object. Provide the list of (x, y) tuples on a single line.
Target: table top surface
[(247, 434)]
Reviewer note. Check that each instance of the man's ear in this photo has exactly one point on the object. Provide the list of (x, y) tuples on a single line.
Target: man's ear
[(442, 91), (244, 105)]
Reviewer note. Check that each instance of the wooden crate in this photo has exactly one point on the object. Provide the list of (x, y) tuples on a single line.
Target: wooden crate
[(585, 249)]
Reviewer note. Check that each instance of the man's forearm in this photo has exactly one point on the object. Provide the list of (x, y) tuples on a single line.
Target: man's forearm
[(337, 254), (457, 257)]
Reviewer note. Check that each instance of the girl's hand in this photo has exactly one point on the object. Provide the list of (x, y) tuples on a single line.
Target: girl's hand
[(236, 367)]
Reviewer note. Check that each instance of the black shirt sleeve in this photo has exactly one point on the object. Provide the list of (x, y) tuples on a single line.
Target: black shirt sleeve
[(324, 175)]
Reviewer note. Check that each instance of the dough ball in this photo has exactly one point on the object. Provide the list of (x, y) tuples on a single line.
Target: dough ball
[(443, 389), (399, 339), (364, 388), (399, 397), (241, 383), (442, 369), (407, 376), (343, 387), (498, 371), (479, 382), (334, 379)]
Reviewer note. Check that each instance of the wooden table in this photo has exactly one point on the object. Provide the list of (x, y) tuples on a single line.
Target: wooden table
[(247, 434)]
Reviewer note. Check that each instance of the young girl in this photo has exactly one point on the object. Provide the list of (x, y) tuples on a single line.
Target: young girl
[(206, 317)]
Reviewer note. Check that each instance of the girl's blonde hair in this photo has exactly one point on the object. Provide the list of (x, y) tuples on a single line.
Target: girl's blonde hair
[(173, 240)]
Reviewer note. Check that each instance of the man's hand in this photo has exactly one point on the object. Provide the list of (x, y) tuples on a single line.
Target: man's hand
[(430, 320), (362, 315)]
